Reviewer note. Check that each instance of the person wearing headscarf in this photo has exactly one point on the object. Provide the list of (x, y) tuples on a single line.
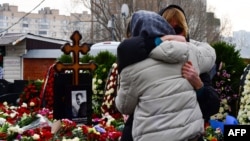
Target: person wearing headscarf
[(163, 102), (175, 15)]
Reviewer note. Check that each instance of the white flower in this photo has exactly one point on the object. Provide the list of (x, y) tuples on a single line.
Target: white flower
[(111, 90), (248, 75), (108, 86), (36, 137), (107, 93), (94, 91), (217, 130), (219, 116), (114, 65), (2, 120), (25, 115), (244, 115), (221, 110), (94, 87), (104, 70), (111, 78), (244, 111), (99, 81), (32, 104), (24, 105), (242, 101), (12, 115), (247, 100), (93, 80), (75, 139), (5, 103), (101, 92), (226, 107), (111, 83), (15, 129), (213, 117), (240, 119), (13, 107), (248, 114), (224, 101)]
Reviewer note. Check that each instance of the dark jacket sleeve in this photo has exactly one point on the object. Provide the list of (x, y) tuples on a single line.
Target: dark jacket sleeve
[(209, 100), (133, 50)]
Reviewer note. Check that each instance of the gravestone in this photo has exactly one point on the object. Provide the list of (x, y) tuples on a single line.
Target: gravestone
[(68, 86), (4, 86), (10, 92)]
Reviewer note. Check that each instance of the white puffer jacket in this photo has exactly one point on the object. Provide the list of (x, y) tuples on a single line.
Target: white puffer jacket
[(164, 103)]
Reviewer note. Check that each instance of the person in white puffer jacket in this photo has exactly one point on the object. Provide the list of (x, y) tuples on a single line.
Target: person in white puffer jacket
[(163, 102)]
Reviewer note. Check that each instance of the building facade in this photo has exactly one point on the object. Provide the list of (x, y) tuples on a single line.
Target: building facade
[(47, 22)]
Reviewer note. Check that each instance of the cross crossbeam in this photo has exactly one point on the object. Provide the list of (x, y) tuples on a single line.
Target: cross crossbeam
[(76, 49)]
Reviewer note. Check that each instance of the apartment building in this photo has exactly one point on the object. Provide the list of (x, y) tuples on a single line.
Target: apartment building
[(94, 28), (47, 22)]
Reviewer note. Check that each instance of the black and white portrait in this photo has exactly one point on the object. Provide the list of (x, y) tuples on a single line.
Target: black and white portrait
[(79, 103)]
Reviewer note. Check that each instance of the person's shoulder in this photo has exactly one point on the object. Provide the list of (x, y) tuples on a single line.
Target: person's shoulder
[(131, 41), (194, 41), (199, 43)]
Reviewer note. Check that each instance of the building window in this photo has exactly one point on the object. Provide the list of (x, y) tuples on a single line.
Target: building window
[(25, 25), (3, 24), (42, 32), (3, 17), (42, 26)]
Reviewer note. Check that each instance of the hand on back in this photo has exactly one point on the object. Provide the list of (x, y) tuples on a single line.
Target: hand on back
[(189, 73), (179, 38)]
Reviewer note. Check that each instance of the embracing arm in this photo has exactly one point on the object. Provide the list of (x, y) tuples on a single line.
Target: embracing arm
[(189, 73), (206, 55), (136, 49), (126, 99), (133, 50), (207, 97)]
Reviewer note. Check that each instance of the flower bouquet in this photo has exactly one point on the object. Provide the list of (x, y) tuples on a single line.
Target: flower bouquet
[(212, 134), (244, 109), (23, 124)]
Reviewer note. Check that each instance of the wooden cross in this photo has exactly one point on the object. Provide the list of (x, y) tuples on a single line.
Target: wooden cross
[(75, 49)]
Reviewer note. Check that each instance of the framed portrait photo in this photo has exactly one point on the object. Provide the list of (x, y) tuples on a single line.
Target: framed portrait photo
[(79, 103), (73, 102)]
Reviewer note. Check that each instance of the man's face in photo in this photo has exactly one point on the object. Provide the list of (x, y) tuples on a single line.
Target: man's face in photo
[(79, 98)]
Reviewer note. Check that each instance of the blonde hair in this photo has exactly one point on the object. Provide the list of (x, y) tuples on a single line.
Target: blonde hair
[(128, 32), (176, 15)]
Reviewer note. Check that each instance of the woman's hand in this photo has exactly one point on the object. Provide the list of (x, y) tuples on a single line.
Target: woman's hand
[(125, 118), (179, 38), (189, 73)]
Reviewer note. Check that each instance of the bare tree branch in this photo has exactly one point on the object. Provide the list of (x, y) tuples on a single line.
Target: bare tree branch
[(203, 26)]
